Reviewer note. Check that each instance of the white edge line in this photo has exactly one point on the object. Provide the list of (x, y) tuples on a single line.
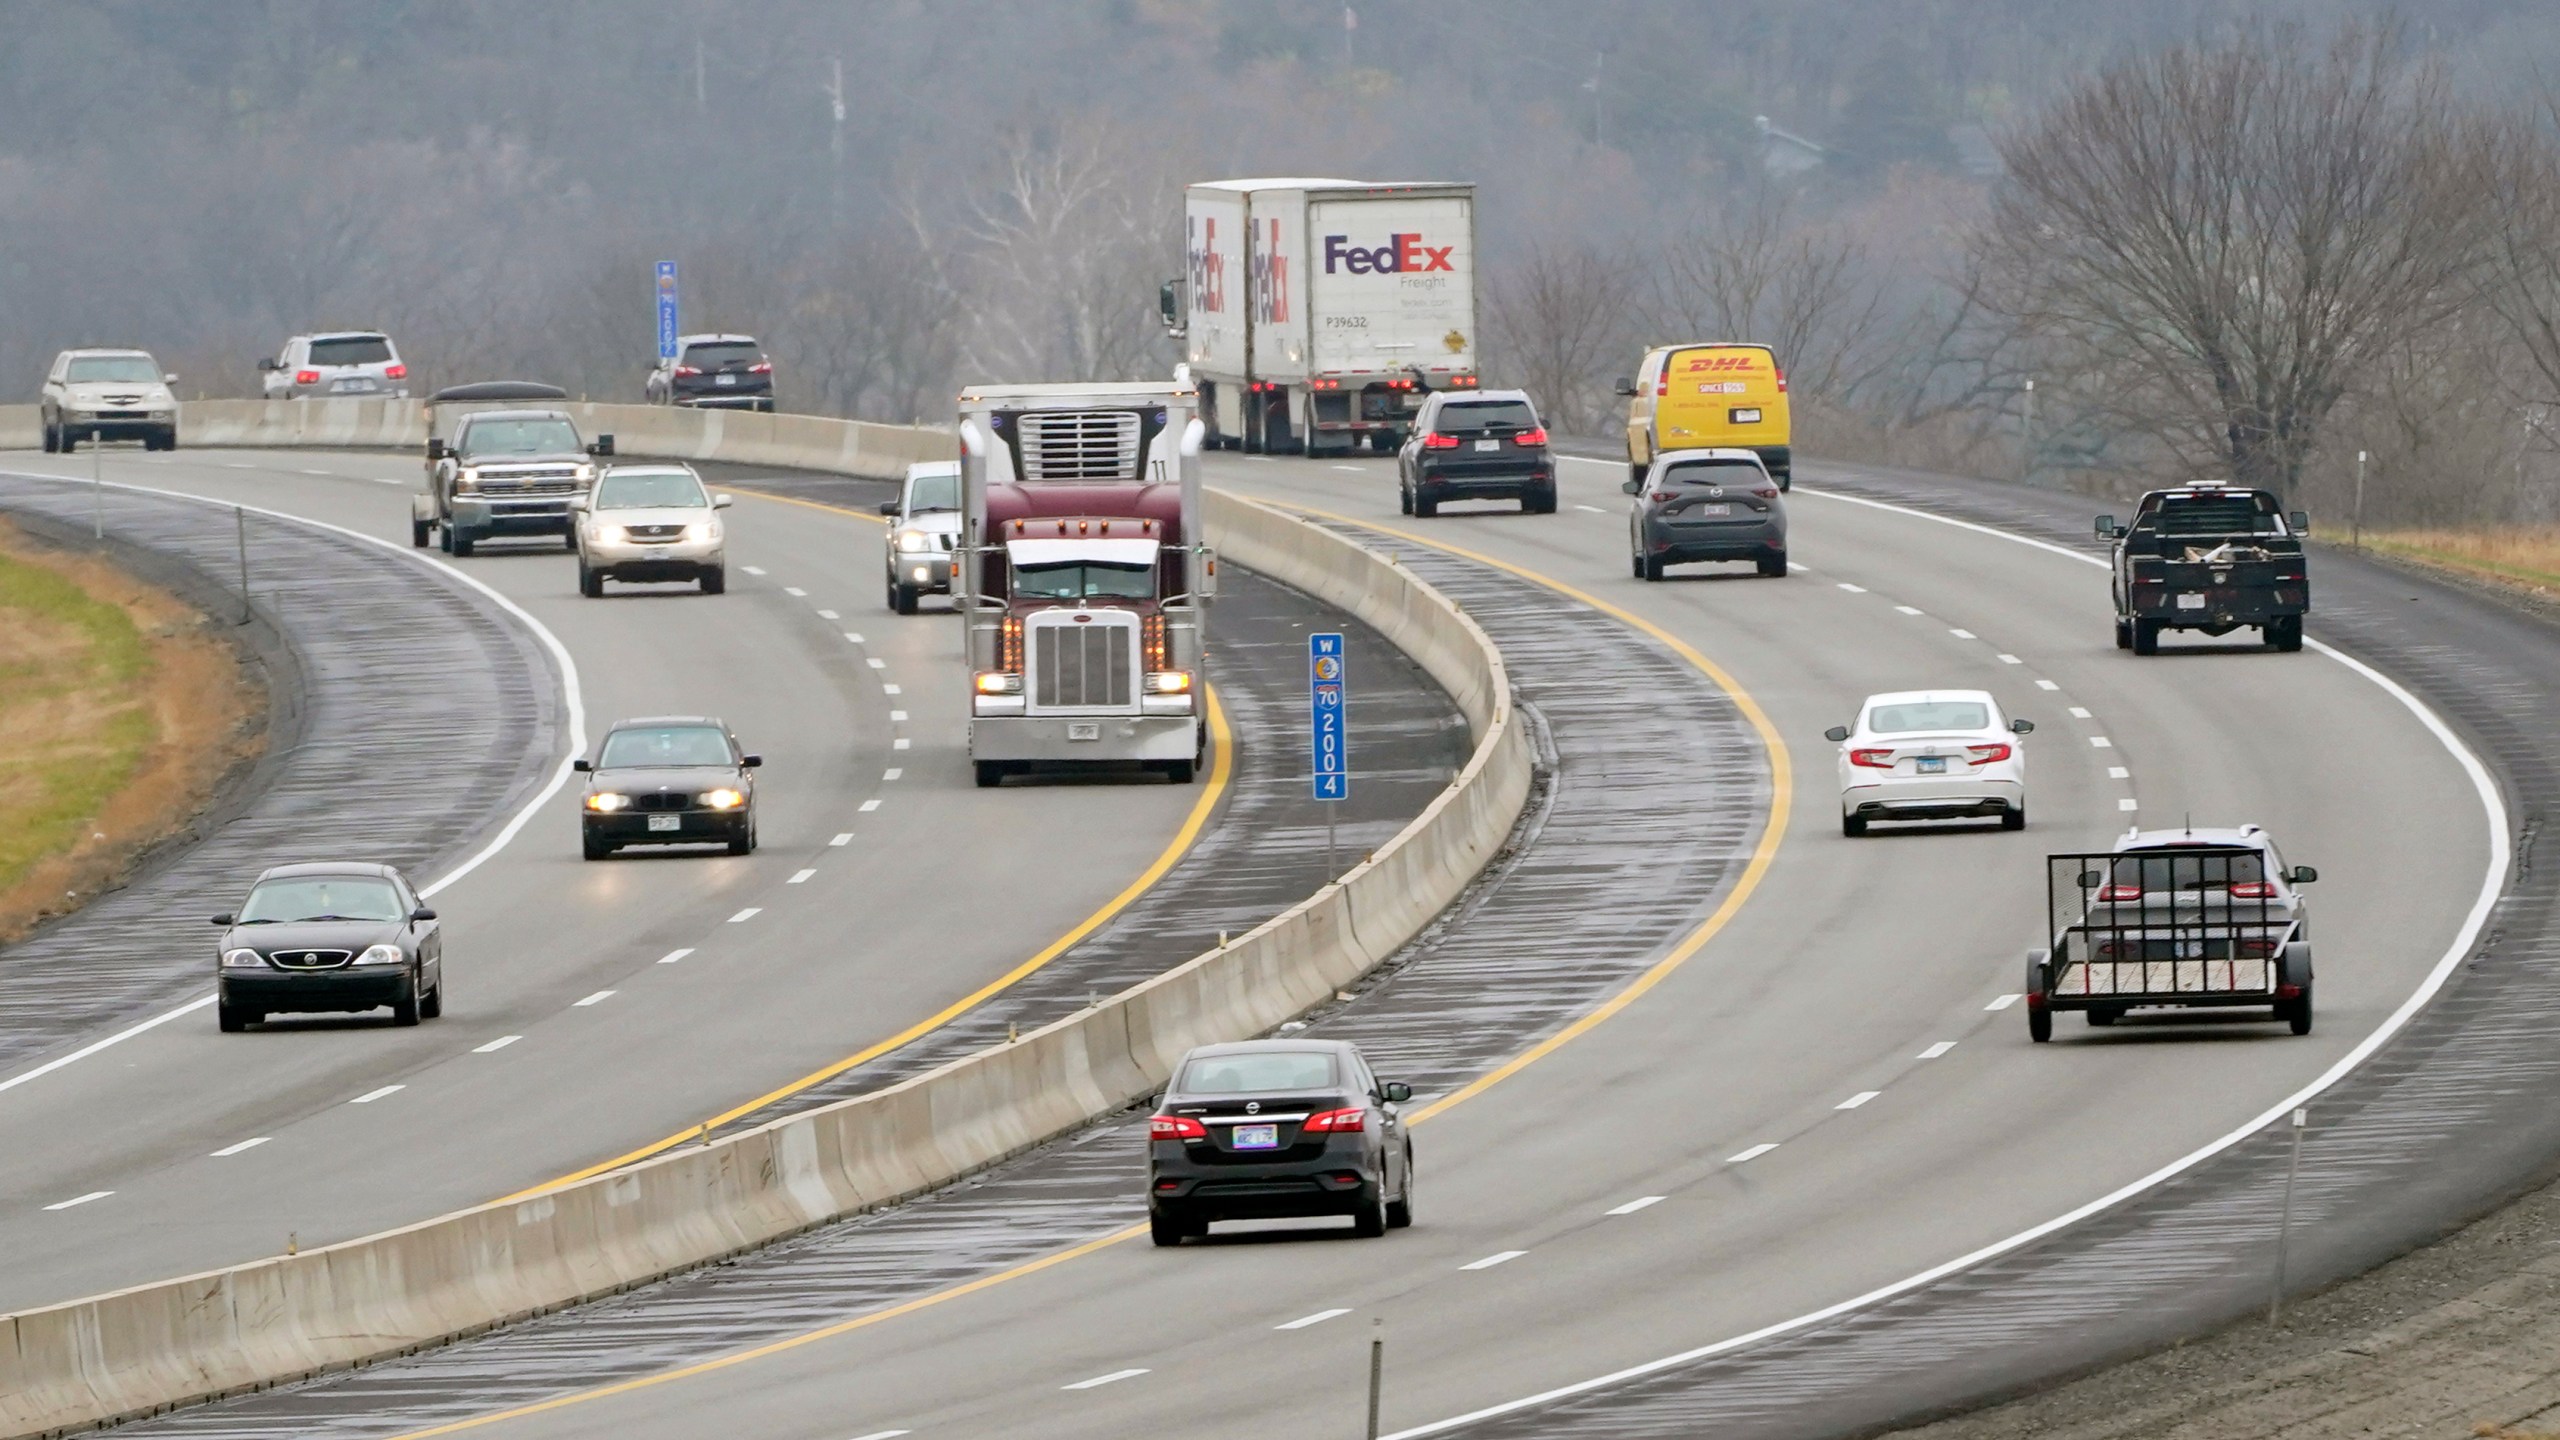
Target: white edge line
[(524, 816), (2492, 805)]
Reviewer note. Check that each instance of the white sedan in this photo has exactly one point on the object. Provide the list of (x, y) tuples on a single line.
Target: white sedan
[(1932, 755)]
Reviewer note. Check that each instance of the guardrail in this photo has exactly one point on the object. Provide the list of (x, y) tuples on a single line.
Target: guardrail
[(137, 1351), (802, 442)]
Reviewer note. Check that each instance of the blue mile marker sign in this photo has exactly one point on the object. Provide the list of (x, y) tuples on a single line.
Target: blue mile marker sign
[(1327, 683), (666, 309)]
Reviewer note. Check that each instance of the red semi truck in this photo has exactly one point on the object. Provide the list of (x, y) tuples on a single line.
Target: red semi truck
[(1084, 584)]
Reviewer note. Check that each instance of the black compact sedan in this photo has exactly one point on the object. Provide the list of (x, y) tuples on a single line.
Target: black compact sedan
[(1277, 1128), (1476, 445), (342, 937), (670, 780)]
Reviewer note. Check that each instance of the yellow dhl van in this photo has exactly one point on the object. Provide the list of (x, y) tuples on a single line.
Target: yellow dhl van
[(1698, 397)]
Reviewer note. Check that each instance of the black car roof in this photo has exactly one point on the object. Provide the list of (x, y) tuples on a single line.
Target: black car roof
[(329, 867)]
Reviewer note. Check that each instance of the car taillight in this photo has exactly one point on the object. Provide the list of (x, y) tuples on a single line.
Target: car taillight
[(395, 371), (1176, 1127), (1536, 436), (306, 377), (1782, 382), (2253, 890), (688, 370), (1439, 442), (1872, 759), (1336, 1122), (2113, 893), (761, 367), (2259, 949), (1660, 497), (1987, 754), (1765, 492)]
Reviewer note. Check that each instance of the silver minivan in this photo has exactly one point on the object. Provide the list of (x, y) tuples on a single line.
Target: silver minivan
[(361, 364)]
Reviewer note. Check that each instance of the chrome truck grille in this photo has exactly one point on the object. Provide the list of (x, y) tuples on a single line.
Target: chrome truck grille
[(1079, 444), (1082, 659)]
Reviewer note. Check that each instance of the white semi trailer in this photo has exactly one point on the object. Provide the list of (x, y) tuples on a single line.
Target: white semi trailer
[(1317, 314)]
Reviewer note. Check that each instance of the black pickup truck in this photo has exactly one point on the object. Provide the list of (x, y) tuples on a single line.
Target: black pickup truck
[(2212, 558)]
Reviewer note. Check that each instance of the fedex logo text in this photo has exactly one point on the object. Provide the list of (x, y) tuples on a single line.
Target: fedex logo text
[(1401, 255), (1208, 267)]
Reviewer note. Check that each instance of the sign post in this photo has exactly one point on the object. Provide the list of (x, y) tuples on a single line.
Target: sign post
[(1329, 729), (666, 309)]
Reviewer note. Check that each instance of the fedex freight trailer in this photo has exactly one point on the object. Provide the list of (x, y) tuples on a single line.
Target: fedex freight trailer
[(1317, 314)]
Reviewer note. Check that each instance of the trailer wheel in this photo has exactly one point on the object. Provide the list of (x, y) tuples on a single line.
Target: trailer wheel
[(2124, 633), (2039, 1024), (2146, 637), (2297, 1012), (990, 774)]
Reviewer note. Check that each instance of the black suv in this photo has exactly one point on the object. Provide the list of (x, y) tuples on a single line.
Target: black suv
[(1269, 1128), (342, 937), (670, 780), (1479, 445), (715, 372)]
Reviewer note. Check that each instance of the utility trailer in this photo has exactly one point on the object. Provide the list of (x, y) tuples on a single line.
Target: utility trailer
[(2181, 923)]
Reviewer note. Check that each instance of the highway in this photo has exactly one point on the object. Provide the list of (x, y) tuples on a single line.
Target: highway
[(600, 1010), (1813, 1081)]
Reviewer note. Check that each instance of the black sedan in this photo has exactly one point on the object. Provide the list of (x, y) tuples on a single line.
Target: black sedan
[(1476, 445), (1277, 1128), (670, 780), (342, 937)]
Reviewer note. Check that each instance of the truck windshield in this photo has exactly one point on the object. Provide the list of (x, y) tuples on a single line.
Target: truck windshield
[(1084, 580), (321, 897), (933, 492), (1928, 715), (520, 437)]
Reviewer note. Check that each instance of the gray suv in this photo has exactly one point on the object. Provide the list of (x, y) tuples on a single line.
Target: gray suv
[(358, 364), (1706, 505)]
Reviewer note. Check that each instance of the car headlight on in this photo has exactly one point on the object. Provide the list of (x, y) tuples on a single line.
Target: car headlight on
[(613, 534), (607, 801), (703, 530), (382, 955), (912, 542), (466, 479), (1169, 682), (723, 798), (243, 960)]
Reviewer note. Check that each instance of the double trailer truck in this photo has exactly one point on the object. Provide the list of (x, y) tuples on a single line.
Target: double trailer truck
[(1082, 579), (1317, 315)]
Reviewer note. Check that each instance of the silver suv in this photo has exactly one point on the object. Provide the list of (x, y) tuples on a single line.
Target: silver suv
[(357, 363), (108, 395), (924, 525)]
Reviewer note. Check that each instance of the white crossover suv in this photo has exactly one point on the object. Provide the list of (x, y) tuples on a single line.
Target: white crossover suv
[(96, 395), (650, 522)]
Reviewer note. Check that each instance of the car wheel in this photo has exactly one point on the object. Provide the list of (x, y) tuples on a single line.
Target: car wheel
[(404, 1011), (1853, 825), (1400, 1209), (2146, 637), (1370, 1220), (2039, 1024), (52, 438), (1652, 567), (232, 1018), (990, 774), (2286, 634), (1424, 505), (2124, 633), (420, 532), (744, 842), (432, 1007), (71, 440), (1542, 503), (444, 537), (902, 598), (1404, 500), (2014, 819), (459, 540), (168, 440), (715, 581), (594, 847), (1168, 1229), (590, 581), (1774, 567), (2297, 1012)]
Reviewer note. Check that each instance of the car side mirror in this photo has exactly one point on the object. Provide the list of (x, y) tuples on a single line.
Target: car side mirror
[(1630, 487), (2022, 727), (2300, 520), (603, 446), (1395, 1092), (1836, 733), (582, 765), (2304, 875), (422, 914), (723, 502), (169, 379), (223, 920), (437, 449), (889, 508), (750, 762), (2091, 879), (269, 364), (2106, 525), (1626, 385)]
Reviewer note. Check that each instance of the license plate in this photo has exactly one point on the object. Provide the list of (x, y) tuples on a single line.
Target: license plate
[(1257, 1137), (1412, 400), (1712, 510), (2190, 602), (1930, 765), (666, 822), (1084, 729), (343, 386), (724, 380), (1488, 444)]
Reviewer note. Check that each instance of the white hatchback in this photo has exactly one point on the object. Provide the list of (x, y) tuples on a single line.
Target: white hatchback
[(1932, 755)]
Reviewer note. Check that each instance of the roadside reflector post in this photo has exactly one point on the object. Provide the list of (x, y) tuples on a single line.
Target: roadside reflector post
[(97, 491), (2284, 1222), (1377, 1369), (240, 524)]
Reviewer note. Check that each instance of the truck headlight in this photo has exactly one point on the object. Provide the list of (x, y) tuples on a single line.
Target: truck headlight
[(1169, 682), (723, 798), (911, 542), (606, 800), (586, 472), (382, 955), (466, 480), (243, 960), (994, 682)]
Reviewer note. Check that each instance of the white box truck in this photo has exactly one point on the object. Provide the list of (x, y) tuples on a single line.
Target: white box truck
[(1317, 314)]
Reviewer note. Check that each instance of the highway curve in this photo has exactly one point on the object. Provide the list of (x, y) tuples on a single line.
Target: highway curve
[(1816, 1086), (599, 1010)]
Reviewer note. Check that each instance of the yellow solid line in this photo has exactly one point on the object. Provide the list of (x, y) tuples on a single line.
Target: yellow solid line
[(1762, 854), (817, 505)]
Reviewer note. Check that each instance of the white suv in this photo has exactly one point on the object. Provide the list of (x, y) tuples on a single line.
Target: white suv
[(361, 364), (108, 395)]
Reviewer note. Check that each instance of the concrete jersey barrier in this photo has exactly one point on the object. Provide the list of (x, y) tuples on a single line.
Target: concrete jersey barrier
[(144, 1349)]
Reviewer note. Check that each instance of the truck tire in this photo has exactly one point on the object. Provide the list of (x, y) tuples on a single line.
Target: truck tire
[(2146, 637), (52, 438), (420, 532), (2285, 634), (990, 774), (1178, 771), (1637, 472), (2124, 633), (458, 541)]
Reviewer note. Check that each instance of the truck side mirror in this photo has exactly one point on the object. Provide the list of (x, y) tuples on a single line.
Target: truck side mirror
[(2300, 521), (2106, 527), (1626, 385), (2022, 727), (889, 508), (602, 446), (437, 449), (2304, 875), (1630, 486), (1836, 733)]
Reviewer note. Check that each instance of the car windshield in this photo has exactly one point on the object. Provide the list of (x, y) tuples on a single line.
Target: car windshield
[(1928, 715), (650, 490), (131, 369), (665, 745), (1084, 580), (1249, 1073), (1474, 417), (1712, 472), (2169, 869), (321, 897), (520, 437), (933, 492), (725, 352), (351, 350)]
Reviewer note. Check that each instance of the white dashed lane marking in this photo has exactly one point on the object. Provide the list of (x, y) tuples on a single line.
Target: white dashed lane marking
[(80, 1199), (1754, 1153), (800, 877), (2118, 772), (891, 774), (1854, 1101), (2102, 742), (1099, 1380), (597, 998), (875, 662), (897, 715), (890, 690), (2010, 660), (2004, 1002), (795, 592), (829, 615), (673, 956), (1303, 1321), (870, 805), (501, 1043), (1638, 1203), (370, 1096), (750, 569), (1906, 609), (747, 914), (844, 839), (249, 1144), (1934, 1051), (898, 744), (2047, 685), (1498, 1257), (1594, 509), (2079, 712), (1961, 634), (2127, 804)]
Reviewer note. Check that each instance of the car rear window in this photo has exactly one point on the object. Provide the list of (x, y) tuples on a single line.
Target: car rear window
[(1472, 417), (724, 352), (664, 745), (1712, 472), (1263, 1071), (321, 897), (2245, 513), (351, 350), (1928, 715), (2170, 869), (649, 490)]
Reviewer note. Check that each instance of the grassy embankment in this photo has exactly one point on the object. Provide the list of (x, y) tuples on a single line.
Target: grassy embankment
[(120, 709), (2524, 558)]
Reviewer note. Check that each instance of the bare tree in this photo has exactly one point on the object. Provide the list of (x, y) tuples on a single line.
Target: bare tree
[(1064, 244), (2238, 232), (2522, 280), (1555, 321), (1757, 272)]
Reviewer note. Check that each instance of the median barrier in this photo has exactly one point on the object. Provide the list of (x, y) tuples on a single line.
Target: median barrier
[(151, 1347)]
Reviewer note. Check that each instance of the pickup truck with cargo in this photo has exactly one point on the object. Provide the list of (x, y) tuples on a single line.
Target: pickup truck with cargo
[(501, 473), (1081, 579), (2213, 558)]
